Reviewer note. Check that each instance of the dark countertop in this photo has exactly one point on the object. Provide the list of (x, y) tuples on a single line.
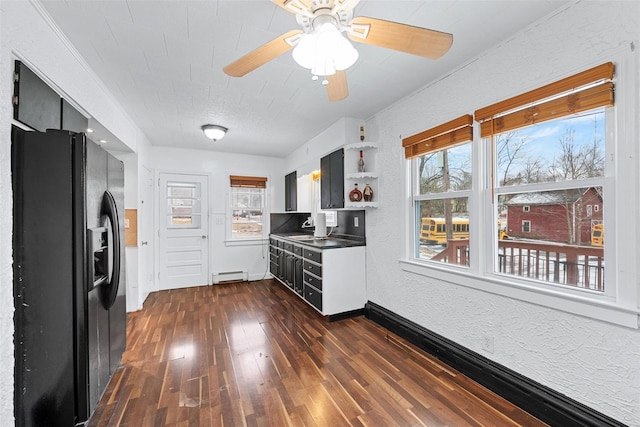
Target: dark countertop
[(331, 242)]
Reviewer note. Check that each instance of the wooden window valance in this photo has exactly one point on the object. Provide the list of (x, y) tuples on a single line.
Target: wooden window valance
[(439, 137), (584, 91), (248, 181)]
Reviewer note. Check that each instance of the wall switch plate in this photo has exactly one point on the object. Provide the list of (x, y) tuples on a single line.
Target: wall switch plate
[(355, 221)]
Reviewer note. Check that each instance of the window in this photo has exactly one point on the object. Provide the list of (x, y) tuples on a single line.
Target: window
[(247, 207), (554, 150), (549, 156), (184, 205), (441, 172)]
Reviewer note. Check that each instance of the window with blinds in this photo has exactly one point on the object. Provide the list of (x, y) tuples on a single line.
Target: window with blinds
[(441, 170), (247, 206), (548, 150)]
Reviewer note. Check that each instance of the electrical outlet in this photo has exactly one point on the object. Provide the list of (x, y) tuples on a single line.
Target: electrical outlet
[(487, 344), (355, 221)]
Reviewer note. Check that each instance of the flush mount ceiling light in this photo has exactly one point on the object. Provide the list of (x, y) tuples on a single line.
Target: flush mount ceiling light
[(214, 132)]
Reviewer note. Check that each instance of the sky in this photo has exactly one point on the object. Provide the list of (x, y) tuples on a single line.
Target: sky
[(543, 139)]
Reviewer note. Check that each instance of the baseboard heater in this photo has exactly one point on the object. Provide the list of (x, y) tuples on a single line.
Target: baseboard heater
[(542, 402), (230, 276)]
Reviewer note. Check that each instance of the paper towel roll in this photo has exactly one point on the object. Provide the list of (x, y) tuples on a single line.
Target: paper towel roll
[(321, 225)]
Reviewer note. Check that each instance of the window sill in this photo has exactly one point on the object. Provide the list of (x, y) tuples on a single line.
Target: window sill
[(246, 242), (556, 299)]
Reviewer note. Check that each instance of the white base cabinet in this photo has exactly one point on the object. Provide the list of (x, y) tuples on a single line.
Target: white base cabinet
[(333, 280)]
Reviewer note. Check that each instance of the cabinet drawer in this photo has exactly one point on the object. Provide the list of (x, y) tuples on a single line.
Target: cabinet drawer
[(313, 281), (273, 242), (313, 256), (273, 257), (313, 268), (288, 247), (313, 296), (297, 250)]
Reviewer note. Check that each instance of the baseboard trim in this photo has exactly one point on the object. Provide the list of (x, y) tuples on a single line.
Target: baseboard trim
[(345, 315), (540, 401)]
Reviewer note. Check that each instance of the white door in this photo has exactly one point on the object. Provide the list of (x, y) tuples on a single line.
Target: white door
[(183, 231), (145, 230)]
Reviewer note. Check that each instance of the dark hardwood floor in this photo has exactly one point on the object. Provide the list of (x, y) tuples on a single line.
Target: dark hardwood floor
[(254, 354)]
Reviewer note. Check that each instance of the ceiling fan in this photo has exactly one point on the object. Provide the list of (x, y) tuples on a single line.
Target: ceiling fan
[(322, 23)]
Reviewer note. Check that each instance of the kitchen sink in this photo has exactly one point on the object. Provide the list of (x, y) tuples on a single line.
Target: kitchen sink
[(306, 237)]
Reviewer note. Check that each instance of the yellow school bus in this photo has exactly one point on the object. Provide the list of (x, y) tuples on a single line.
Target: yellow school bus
[(597, 235), (433, 230)]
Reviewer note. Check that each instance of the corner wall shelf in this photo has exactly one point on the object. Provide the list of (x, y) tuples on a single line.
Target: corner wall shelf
[(369, 176)]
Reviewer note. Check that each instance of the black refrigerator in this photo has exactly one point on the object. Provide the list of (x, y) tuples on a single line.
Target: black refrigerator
[(69, 281)]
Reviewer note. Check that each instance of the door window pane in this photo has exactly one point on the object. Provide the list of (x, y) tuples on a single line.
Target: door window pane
[(184, 205)]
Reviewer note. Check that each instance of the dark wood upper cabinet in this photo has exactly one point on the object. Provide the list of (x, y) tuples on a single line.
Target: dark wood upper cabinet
[(72, 119), (38, 106), (332, 180), (34, 103), (291, 192)]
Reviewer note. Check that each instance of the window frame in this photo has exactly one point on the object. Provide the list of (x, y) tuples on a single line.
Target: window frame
[(620, 306), (253, 240), (454, 133)]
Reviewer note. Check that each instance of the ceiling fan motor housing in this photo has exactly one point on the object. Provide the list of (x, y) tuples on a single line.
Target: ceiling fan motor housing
[(318, 16)]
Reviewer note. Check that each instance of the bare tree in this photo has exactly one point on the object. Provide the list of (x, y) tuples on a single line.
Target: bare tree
[(430, 176), (578, 161), (510, 149)]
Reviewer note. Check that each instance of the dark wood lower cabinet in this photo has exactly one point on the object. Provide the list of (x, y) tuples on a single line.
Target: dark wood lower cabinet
[(330, 280), (313, 296), (297, 276)]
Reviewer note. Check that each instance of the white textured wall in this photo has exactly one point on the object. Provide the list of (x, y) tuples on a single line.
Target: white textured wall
[(593, 362), (26, 35), (252, 258), (6, 224)]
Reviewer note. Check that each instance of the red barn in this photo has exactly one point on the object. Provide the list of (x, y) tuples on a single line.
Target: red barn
[(560, 216)]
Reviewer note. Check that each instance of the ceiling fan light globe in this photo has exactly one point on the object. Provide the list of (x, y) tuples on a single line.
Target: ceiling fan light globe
[(324, 51), (346, 56), (305, 51), (324, 68)]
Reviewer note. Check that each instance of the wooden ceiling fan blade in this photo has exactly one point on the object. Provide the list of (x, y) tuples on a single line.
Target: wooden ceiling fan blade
[(294, 6), (402, 37), (345, 5), (337, 89), (261, 55)]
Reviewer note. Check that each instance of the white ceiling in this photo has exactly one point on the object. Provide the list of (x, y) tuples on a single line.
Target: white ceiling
[(163, 60)]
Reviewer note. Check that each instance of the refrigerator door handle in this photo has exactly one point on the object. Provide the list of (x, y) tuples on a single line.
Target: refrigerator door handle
[(109, 209)]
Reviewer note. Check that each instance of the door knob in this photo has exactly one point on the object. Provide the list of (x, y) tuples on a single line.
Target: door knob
[(143, 243), (204, 237)]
